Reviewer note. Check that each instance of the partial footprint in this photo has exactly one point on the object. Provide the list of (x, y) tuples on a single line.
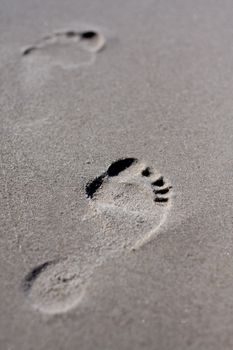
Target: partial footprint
[(90, 41), (66, 49), (133, 192), (55, 287), (127, 205)]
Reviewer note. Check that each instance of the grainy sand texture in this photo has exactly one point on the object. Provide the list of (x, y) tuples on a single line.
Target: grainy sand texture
[(116, 175)]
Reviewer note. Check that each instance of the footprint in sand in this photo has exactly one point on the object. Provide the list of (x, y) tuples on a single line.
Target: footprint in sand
[(127, 205), (68, 49), (55, 287)]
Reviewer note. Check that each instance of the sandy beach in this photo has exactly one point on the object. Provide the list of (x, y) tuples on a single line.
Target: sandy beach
[(116, 140)]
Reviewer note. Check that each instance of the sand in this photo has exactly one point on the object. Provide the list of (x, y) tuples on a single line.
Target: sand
[(116, 185)]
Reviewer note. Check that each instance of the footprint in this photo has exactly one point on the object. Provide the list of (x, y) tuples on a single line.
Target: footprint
[(54, 287), (90, 41), (68, 49), (128, 203)]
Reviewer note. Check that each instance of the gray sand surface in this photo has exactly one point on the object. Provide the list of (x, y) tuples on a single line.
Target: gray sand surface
[(100, 81)]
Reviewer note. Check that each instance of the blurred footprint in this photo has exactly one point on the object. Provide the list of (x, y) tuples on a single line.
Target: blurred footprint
[(65, 49)]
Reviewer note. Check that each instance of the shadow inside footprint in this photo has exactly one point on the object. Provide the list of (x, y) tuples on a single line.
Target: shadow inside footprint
[(33, 274)]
